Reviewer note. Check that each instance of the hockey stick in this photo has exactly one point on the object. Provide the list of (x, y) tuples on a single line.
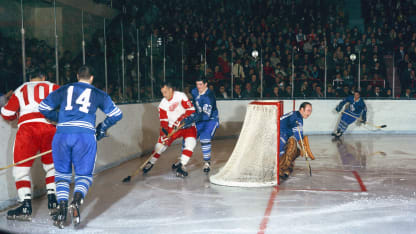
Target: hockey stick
[(378, 152), (368, 123), (137, 171), (304, 150), (28, 159)]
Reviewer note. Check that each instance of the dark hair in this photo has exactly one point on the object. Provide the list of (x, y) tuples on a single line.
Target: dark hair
[(85, 72), (202, 78), (36, 73), (304, 104), (167, 84)]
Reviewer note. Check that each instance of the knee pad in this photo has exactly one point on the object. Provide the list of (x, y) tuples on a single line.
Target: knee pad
[(49, 169), (190, 143), (160, 148), (21, 173)]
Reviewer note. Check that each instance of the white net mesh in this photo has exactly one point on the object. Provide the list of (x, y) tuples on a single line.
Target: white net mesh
[(253, 160)]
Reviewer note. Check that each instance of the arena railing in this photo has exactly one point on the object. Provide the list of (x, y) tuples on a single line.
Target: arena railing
[(132, 60)]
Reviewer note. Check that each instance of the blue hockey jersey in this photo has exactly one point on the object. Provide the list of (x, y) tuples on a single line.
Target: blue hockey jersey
[(289, 123), (205, 105), (356, 108), (77, 103)]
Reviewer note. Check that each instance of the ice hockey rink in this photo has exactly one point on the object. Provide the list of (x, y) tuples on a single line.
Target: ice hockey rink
[(361, 184)]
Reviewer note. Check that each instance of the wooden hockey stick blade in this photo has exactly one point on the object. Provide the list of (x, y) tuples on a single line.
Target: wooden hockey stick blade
[(382, 126), (26, 160), (127, 179), (137, 171)]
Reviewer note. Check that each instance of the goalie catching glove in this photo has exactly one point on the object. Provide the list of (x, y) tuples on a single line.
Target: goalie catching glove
[(308, 152)]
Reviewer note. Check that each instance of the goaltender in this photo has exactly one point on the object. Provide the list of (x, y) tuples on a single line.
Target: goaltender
[(291, 131)]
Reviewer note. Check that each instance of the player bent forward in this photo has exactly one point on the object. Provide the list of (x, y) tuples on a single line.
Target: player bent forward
[(75, 141), (291, 131), (174, 108), (34, 134), (354, 109)]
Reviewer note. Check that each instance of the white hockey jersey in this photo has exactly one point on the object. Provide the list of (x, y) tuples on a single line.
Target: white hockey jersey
[(24, 102), (176, 109)]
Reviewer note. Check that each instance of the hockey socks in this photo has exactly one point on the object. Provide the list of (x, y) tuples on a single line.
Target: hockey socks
[(62, 181), (82, 184), (206, 149)]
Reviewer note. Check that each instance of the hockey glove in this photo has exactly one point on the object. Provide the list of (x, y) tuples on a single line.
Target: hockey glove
[(101, 131), (338, 109), (164, 139), (187, 122), (176, 124)]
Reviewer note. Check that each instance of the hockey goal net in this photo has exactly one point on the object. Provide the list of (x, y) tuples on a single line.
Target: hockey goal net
[(255, 158)]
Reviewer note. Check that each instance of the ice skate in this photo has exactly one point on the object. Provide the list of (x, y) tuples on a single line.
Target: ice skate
[(207, 166), (59, 216), (181, 171), (75, 207), (148, 167), (176, 165), (337, 134), (52, 203), (22, 213)]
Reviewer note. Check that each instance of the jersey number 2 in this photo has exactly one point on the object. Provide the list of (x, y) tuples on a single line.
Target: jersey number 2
[(83, 99)]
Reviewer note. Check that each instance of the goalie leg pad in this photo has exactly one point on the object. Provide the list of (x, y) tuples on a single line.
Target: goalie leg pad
[(307, 148), (290, 153)]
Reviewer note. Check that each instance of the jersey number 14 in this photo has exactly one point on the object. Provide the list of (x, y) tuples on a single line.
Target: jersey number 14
[(83, 99)]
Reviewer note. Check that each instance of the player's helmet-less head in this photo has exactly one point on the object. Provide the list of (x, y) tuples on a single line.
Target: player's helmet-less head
[(167, 90), (201, 78), (36, 73), (85, 72), (305, 109)]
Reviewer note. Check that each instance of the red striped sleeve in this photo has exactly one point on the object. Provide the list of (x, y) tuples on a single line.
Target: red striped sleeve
[(189, 109), (163, 117), (9, 111), (55, 87)]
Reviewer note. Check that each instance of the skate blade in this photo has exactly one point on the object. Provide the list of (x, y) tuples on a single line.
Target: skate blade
[(26, 218), (59, 224), (53, 211), (75, 215)]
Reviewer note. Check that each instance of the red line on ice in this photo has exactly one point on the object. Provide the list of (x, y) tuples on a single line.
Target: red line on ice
[(263, 224), (362, 186)]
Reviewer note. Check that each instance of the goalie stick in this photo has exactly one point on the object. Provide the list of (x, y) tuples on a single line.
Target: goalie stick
[(25, 160), (368, 123), (137, 171), (304, 150)]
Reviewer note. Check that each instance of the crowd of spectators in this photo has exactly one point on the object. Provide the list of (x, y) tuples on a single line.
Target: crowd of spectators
[(308, 42), (392, 24)]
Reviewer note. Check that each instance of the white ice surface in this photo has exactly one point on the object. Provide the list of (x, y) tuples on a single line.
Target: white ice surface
[(331, 201)]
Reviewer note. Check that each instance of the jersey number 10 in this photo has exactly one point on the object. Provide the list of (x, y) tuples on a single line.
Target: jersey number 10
[(83, 99)]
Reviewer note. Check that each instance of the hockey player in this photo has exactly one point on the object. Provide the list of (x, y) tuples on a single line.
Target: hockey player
[(291, 131), (34, 134), (174, 110), (354, 109), (75, 141), (206, 118)]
